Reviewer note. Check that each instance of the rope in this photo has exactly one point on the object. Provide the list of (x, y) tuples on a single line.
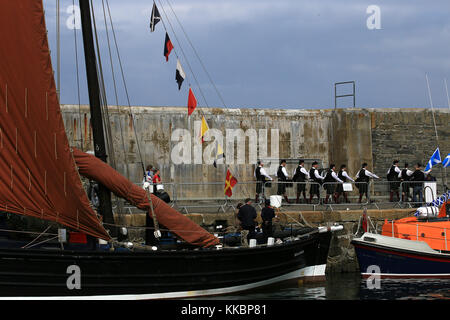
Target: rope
[(196, 54), (125, 87), (238, 175), (29, 244), (182, 51), (78, 78), (114, 83)]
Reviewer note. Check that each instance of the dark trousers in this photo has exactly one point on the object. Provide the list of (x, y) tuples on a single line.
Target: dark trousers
[(267, 230), (251, 232)]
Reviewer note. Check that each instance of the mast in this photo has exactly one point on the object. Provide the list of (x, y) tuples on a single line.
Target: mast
[(104, 194)]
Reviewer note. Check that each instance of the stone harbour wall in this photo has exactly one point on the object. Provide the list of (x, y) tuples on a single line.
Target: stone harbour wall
[(168, 139)]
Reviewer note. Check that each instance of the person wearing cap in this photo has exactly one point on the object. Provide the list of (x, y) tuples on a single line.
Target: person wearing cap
[(300, 176), (247, 216), (330, 178), (405, 176), (343, 175), (267, 214), (282, 178), (393, 175), (261, 176), (362, 181), (317, 180)]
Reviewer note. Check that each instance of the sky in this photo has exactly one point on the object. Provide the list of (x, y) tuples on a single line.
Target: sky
[(279, 54)]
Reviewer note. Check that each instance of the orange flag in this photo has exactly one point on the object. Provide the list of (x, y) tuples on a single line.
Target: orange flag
[(230, 182), (192, 102)]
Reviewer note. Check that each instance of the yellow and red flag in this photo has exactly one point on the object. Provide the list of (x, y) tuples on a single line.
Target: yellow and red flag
[(203, 129), (230, 182)]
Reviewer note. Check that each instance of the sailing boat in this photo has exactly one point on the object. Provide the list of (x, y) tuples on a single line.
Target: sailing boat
[(40, 178)]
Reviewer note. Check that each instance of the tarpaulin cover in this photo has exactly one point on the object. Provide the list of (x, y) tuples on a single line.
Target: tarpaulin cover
[(38, 176), (95, 169)]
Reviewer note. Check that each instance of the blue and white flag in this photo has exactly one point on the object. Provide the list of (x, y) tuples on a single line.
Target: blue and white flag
[(446, 162), (435, 159)]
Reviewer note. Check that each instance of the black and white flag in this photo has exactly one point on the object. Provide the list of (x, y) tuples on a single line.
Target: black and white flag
[(179, 74), (155, 18)]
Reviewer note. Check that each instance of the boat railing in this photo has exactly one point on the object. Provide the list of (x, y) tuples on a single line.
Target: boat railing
[(419, 232)]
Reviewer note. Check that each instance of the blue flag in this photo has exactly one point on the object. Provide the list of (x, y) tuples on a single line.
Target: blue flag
[(446, 162), (435, 159)]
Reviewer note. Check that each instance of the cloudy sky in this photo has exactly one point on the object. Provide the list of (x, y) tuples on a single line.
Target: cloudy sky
[(268, 54)]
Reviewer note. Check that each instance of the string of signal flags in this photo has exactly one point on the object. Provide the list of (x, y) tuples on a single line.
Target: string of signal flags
[(180, 76)]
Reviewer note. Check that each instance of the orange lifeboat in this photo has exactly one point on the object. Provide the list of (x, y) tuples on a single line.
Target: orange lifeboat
[(434, 231)]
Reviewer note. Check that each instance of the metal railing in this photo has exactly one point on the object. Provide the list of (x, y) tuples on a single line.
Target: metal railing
[(210, 195)]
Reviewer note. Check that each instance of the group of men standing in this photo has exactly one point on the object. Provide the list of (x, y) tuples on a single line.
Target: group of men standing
[(247, 216), (333, 181), (407, 179)]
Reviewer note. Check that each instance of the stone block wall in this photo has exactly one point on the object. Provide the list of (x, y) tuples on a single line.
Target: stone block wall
[(168, 139)]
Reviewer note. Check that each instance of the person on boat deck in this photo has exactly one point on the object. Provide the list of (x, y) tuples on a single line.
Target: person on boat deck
[(282, 178), (418, 177), (329, 180), (267, 214), (343, 175), (261, 176), (405, 176), (393, 175), (317, 180), (362, 181), (247, 216), (300, 175)]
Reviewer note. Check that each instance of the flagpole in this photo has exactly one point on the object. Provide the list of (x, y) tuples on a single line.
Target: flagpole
[(446, 90), (435, 128), (448, 102)]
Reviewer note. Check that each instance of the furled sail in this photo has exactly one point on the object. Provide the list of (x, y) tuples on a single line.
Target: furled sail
[(38, 176), (95, 169)]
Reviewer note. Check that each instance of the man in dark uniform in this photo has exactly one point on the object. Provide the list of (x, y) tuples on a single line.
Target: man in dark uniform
[(267, 214), (393, 176), (405, 176), (362, 181), (300, 175), (282, 180), (329, 185), (261, 176), (247, 215), (343, 175), (316, 180)]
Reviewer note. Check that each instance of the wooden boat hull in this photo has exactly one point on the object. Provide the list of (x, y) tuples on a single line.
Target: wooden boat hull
[(399, 258), (29, 274)]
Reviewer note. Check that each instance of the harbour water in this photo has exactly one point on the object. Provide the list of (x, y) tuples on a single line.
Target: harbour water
[(350, 286)]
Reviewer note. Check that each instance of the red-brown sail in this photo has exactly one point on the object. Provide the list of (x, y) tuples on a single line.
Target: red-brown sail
[(95, 169), (38, 176)]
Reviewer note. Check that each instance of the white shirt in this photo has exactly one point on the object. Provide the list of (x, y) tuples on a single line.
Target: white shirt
[(263, 173), (345, 174), (396, 169), (408, 173), (302, 170), (317, 175), (368, 173), (334, 175), (283, 169)]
